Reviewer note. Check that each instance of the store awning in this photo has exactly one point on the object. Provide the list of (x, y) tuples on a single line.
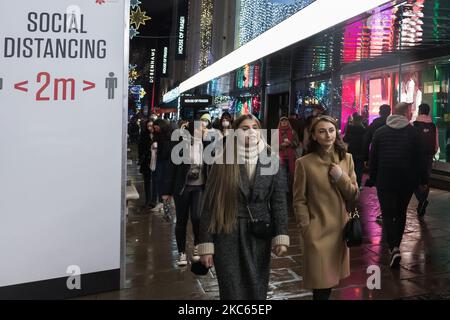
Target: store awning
[(167, 107), (166, 110)]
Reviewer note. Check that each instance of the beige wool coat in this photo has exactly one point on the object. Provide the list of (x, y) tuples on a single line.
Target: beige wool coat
[(319, 206)]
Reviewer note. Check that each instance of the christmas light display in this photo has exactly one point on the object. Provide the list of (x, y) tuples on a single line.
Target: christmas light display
[(206, 18), (138, 17), (142, 93), (258, 16), (133, 32), (134, 3), (132, 74)]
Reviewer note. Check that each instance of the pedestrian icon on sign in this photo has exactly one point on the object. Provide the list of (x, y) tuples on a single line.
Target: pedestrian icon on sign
[(111, 84)]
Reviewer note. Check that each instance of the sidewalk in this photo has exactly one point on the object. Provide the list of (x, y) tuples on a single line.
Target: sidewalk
[(424, 273)]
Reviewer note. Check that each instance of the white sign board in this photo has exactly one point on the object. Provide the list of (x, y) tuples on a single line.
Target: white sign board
[(62, 71)]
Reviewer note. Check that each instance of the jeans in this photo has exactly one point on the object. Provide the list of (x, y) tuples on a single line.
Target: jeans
[(394, 204)]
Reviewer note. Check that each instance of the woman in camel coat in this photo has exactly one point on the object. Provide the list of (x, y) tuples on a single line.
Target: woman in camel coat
[(324, 181)]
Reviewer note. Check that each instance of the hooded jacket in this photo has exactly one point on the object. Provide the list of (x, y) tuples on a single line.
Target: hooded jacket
[(396, 160)]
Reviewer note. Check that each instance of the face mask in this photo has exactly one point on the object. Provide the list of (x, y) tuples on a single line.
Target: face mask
[(225, 123), (249, 137)]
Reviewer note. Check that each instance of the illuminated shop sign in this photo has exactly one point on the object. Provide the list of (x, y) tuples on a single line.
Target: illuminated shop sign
[(164, 62), (197, 101), (152, 65), (181, 29)]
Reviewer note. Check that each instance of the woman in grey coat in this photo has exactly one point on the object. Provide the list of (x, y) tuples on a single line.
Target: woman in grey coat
[(236, 194)]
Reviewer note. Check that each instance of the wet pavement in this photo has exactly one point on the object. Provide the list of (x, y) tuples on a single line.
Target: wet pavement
[(424, 271)]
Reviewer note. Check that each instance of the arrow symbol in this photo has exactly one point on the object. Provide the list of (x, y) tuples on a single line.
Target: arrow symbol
[(19, 85), (90, 85)]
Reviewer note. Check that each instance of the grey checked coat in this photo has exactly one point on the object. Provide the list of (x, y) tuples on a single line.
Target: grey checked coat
[(242, 261)]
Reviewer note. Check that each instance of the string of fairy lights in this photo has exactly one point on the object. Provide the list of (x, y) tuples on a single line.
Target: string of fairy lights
[(258, 16), (206, 27)]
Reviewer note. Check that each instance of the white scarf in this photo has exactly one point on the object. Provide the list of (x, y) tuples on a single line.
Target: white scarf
[(250, 156)]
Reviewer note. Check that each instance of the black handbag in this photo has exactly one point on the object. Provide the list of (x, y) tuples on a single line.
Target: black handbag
[(194, 172), (259, 228), (199, 269), (353, 230)]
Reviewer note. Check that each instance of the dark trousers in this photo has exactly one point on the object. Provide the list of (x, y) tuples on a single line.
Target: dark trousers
[(190, 201), (321, 294), (422, 194), (290, 182), (394, 205), (150, 188), (158, 178), (359, 168)]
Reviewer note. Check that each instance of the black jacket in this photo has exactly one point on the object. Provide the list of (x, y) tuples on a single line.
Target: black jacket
[(164, 145), (144, 151), (374, 126), (176, 177), (396, 160), (354, 136)]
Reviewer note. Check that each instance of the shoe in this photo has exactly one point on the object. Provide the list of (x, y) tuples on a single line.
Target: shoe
[(379, 218), (195, 257), (158, 207), (182, 261), (395, 258), (421, 208)]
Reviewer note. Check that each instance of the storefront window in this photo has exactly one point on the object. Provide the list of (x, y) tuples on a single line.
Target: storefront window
[(249, 104), (248, 76), (435, 93), (351, 91), (425, 82), (313, 100)]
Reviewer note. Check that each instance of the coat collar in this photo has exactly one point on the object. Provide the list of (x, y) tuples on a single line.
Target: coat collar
[(244, 183), (331, 157)]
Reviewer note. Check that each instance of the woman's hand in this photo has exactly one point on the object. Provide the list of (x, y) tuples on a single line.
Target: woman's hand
[(335, 172), (207, 260), (280, 250)]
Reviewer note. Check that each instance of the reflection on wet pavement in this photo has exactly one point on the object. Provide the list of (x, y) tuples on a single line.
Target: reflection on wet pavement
[(424, 271)]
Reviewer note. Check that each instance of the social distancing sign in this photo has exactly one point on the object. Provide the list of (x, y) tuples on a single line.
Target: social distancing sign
[(63, 90)]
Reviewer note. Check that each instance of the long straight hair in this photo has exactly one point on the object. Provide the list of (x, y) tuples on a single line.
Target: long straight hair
[(314, 146), (221, 192)]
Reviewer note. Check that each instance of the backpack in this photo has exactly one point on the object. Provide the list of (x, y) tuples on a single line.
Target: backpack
[(427, 133)]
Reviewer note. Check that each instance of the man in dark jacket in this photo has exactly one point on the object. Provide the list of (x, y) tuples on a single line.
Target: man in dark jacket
[(354, 137), (430, 143), (385, 111), (397, 169)]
